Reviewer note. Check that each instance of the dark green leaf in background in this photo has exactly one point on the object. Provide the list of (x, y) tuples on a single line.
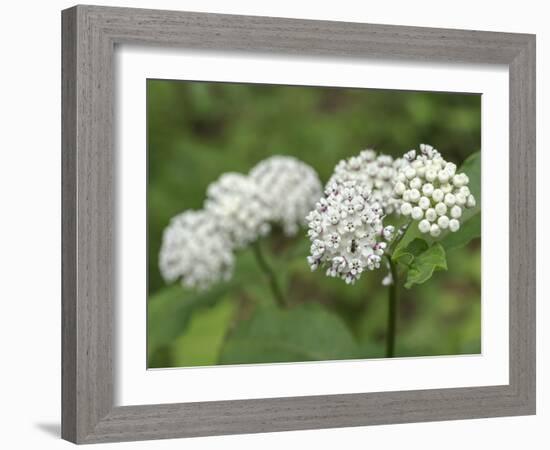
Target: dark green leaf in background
[(305, 333)]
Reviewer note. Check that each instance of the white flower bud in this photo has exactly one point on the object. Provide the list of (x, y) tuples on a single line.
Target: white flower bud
[(443, 222), (454, 225), (450, 168), (460, 199), (428, 189), (450, 200), (431, 215), (438, 195), (440, 209), (416, 183), (431, 174), (443, 192), (399, 188), (435, 230), (417, 213), (424, 226), (456, 212), (410, 173), (424, 202), (414, 195), (443, 176), (406, 209), (464, 190)]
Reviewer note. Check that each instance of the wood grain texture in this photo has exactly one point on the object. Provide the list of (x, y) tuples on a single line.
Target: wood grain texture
[(89, 37)]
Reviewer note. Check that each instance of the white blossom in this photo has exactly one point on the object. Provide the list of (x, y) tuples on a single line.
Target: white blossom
[(291, 189), (346, 231), (431, 191), (240, 207), (375, 173), (195, 250)]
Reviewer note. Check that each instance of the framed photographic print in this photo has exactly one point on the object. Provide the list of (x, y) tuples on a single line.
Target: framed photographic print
[(277, 224)]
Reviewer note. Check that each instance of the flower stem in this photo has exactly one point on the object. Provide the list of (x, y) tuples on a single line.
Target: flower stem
[(270, 274), (392, 311)]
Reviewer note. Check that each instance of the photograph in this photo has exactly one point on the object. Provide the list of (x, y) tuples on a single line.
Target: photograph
[(290, 224)]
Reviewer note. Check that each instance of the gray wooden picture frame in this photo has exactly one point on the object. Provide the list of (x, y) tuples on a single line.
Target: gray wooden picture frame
[(90, 34)]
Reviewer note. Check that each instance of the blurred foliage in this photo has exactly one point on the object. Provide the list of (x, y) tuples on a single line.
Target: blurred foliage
[(198, 130)]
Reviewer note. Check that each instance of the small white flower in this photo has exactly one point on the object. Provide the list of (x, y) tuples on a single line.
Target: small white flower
[(240, 207), (431, 184), (195, 250), (290, 188), (354, 242), (376, 173)]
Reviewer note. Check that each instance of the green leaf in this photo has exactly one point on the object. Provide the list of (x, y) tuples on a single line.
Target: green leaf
[(200, 344), (425, 264), (305, 333), (406, 255), (472, 167), (169, 311)]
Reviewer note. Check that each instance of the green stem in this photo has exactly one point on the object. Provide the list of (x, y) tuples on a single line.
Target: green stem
[(270, 274), (392, 311)]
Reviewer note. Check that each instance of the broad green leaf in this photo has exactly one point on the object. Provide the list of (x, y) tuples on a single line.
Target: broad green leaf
[(406, 255), (425, 264), (305, 333), (168, 312), (200, 344)]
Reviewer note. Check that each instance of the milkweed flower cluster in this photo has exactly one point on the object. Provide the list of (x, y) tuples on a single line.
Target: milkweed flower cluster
[(290, 188), (198, 246), (195, 250), (240, 206), (346, 231), (432, 192), (375, 173)]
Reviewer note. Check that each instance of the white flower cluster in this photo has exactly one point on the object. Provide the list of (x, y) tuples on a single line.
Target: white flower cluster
[(346, 231), (240, 207), (373, 172), (290, 188), (194, 249), (198, 246), (431, 191)]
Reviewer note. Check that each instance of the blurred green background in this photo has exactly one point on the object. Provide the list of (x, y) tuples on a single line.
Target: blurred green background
[(198, 130)]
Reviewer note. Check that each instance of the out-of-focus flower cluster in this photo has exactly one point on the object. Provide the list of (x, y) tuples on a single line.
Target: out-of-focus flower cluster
[(346, 231), (289, 187), (432, 192), (240, 206), (375, 173), (195, 250), (198, 246)]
